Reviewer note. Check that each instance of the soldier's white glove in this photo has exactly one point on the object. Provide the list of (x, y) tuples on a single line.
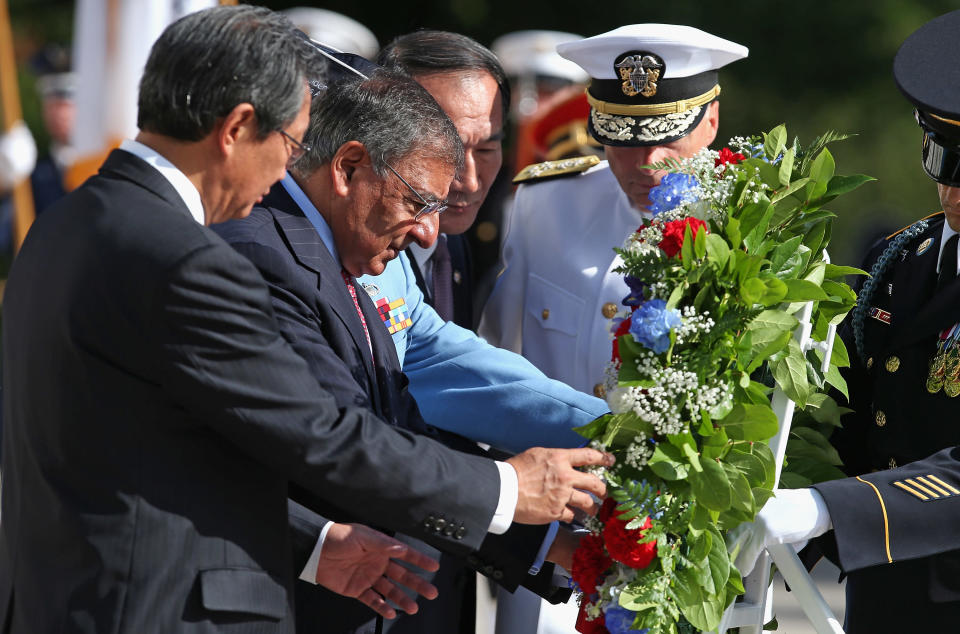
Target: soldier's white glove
[(18, 155), (792, 516)]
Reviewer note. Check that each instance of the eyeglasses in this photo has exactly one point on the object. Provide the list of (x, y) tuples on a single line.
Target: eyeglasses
[(429, 207), (299, 149)]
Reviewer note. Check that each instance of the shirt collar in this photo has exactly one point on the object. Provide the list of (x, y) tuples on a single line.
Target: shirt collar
[(421, 254), (946, 235), (188, 191), (312, 213)]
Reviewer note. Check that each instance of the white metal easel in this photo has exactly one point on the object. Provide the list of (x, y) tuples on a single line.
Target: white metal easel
[(756, 606)]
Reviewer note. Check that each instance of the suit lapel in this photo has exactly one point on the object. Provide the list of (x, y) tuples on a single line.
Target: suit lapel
[(123, 164), (310, 251), (462, 280), (418, 275)]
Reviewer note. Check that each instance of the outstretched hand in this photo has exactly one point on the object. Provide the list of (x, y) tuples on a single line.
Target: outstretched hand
[(792, 516), (356, 561), (551, 488)]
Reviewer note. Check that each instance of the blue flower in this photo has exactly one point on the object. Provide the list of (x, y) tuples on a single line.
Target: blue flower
[(651, 325), (673, 189), (635, 298), (619, 620)]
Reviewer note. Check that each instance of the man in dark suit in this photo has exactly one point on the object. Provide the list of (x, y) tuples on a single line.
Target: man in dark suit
[(351, 213), (469, 83), (146, 491), (895, 519)]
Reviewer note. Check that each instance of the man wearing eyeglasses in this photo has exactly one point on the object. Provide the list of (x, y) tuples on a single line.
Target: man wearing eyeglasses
[(379, 165)]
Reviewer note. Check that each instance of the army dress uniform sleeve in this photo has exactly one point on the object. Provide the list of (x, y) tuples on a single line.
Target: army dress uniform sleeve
[(897, 514)]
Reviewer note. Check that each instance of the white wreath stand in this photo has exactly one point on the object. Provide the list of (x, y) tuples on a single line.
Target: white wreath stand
[(756, 606)]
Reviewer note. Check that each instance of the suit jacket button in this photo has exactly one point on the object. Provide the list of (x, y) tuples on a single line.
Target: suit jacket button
[(609, 310), (545, 314), (439, 524), (473, 560), (869, 362), (881, 418), (892, 364), (892, 463), (599, 391), (460, 533), (497, 575), (488, 570)]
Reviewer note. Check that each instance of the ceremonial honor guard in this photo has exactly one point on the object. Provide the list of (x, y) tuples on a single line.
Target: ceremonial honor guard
[(653, 95), (895, 520)]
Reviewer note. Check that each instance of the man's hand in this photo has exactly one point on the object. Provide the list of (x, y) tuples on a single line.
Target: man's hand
[(355, 561), (550, 486), (561, 550), (793, 516)]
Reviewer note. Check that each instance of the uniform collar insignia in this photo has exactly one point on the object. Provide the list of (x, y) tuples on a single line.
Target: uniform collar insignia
[(924, 246), (372, 289)]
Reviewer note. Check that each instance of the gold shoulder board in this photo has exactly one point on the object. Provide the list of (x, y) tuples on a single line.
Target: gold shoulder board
[(553, 169), (896, 233)]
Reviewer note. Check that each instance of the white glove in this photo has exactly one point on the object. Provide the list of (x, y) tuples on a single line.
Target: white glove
[(792, 516), (18, 155)]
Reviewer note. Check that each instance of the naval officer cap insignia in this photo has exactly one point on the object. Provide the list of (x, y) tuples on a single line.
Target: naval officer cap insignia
[(650, 84), (927, 71)]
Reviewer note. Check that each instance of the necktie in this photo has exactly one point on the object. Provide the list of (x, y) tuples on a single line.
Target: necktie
[(948, 262), (442, 280), (353, 295)]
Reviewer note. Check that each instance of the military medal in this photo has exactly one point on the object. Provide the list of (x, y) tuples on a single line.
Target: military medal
[(945, 366)]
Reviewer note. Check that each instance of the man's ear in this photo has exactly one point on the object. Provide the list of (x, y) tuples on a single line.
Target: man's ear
[(240, 124), (713, 121), (348, 158)]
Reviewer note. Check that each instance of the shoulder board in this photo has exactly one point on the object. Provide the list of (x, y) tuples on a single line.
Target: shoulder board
[(896, 233), (554, 169)]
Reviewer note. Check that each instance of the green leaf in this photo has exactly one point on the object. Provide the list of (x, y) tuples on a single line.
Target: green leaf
[(750, 465), (773, 319), (834, 271), (594, 428), (790, 373), (803, 290), (811, 470), (823, 167), (785, 260), (827, 411), (805, 442), (790, 480), (741, 496), (839, 356), (700, 243), (668, 462), (774, 142), (840, 185), (750, 422), (733, 232), (793, 187), (834, 378), (710, 487), (718, 251), (752, 290), (686, 250), (786, 167), (702, 609)]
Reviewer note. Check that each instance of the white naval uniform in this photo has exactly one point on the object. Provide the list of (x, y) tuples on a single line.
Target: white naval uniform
[(557, 275), (548, 303)]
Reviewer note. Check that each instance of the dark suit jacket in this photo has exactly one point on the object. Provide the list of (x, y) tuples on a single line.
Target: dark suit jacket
[(153, 417), (461, 270), (319, 319), (896, 422)]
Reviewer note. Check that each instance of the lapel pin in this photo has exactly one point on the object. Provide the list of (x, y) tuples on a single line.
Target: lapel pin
[(924, 246)]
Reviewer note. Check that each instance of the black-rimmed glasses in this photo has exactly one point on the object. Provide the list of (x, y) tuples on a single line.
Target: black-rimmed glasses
[(299, 149), (429, 207)]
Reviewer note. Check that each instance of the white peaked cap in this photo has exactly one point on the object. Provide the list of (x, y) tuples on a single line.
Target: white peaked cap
[(685, 50), (535, 53), (335, 30)]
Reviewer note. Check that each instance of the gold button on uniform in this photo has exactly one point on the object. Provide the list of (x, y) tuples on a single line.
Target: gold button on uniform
[(893, 364), (881, 418), (609, 310), (599, 391), (546, 313), (892, 463), (869, 362)]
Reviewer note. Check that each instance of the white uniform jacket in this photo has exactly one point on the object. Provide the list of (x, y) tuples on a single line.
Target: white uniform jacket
[(557, 280)]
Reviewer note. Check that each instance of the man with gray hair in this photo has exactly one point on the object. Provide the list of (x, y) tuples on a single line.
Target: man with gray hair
[(154, 415), (382, 161)]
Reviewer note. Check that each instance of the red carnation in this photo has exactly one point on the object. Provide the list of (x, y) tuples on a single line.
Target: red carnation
[(728, 156), (673, 234), (622, 329), (621, 542), (589, 563), (596, 626)]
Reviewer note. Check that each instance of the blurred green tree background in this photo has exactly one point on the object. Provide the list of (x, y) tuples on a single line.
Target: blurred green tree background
[(814, 66)]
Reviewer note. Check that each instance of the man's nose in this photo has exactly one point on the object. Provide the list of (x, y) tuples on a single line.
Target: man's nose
[(648, 156), (467, 180), (426, 230)]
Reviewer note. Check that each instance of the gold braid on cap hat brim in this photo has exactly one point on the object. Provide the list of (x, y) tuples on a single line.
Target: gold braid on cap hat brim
[(652, 109), (938, 118)]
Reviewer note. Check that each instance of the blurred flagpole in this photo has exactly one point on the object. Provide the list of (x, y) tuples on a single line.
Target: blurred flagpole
[(111, 42), (23, 211)]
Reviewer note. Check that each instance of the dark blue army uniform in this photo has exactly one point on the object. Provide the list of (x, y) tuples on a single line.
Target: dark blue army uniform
[(890, 520)]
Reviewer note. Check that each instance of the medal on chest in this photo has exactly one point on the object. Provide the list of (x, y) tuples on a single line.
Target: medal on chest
[(945, 366)]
